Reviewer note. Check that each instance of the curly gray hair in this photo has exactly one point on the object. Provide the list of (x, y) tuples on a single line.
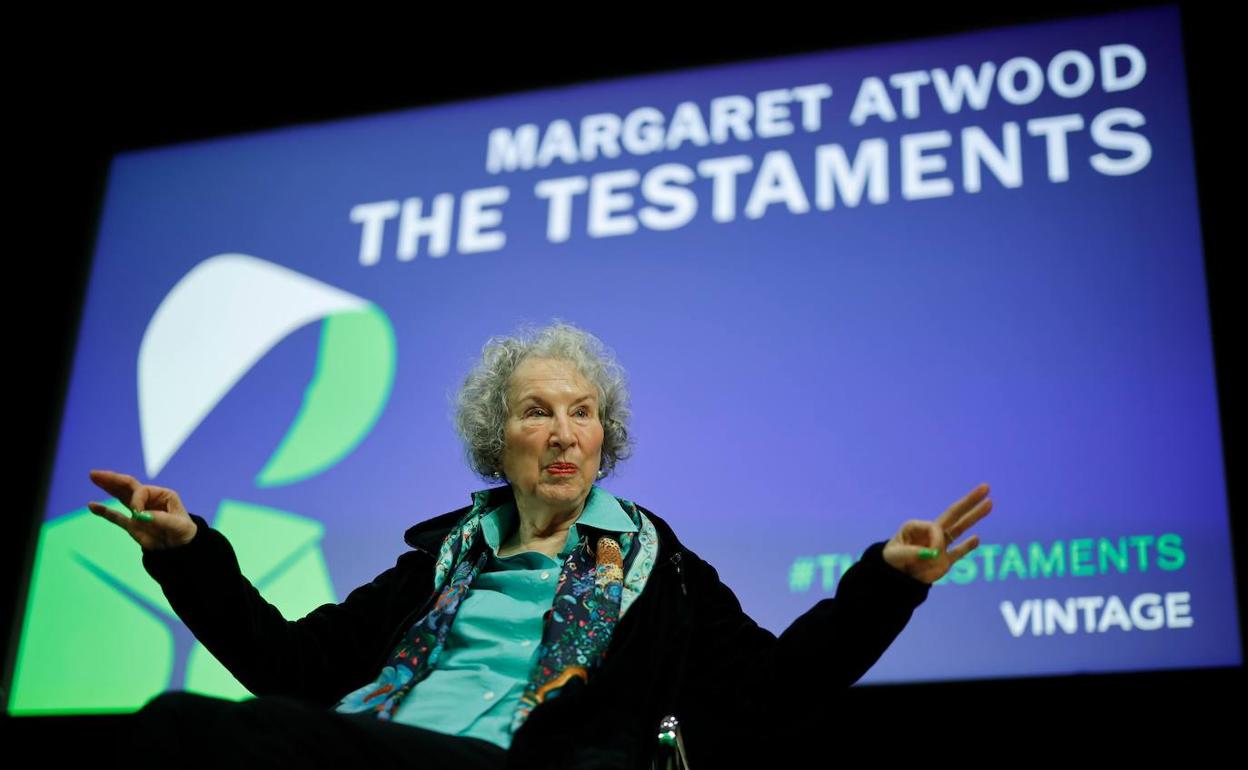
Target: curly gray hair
[(481, 403)]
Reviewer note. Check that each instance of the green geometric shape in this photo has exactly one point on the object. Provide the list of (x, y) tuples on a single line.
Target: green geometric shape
[(354, 374), (96, 635), (94, 638)]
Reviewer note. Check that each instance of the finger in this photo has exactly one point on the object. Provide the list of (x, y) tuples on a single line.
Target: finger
[(969, 519), (160, 518), (122, 520), (924, 534), (126, 515), (140, 499), (955, 511), (162, 498), (934, 535), (119, 485), (964, 548), (918, 552)]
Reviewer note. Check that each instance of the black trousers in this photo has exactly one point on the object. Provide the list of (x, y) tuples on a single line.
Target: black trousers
[(179, 728)]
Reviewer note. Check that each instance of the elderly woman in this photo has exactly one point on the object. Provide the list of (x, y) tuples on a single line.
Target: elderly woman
[(548, 624)]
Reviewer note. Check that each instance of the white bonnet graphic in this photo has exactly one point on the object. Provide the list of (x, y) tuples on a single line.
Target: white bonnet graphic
[(209, 331)]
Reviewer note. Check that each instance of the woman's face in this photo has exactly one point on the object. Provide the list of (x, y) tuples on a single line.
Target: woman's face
[(553, 435)]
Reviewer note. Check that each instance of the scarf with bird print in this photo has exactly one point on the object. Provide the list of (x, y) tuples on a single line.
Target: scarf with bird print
[(602, 576)]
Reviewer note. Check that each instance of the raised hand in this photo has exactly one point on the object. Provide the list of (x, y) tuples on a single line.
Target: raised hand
[(157, 519), (921, 549)]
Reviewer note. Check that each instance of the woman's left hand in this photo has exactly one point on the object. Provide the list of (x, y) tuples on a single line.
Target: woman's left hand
[(921, 548)]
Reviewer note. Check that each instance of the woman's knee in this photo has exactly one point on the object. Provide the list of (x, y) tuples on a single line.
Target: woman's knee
[(181, 701)]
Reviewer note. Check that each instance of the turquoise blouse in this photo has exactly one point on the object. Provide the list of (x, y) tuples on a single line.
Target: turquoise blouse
[(492, 645)]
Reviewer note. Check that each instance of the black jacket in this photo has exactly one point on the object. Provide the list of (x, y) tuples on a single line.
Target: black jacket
[(685, 647)]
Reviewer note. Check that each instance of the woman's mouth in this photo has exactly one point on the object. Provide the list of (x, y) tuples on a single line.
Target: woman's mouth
[(561, 469)]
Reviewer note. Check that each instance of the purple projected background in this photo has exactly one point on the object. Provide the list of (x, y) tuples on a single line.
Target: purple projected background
[(803, 381)]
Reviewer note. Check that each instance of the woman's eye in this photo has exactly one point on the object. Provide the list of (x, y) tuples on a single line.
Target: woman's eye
[(537, 411)]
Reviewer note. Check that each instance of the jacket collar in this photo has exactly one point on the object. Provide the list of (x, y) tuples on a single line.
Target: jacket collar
[(429, 534), (601, 512)]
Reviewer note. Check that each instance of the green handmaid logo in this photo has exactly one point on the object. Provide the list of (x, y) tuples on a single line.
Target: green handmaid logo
[(98, 634)]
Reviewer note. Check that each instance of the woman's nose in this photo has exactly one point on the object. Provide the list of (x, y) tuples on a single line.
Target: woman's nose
[(561, 432)]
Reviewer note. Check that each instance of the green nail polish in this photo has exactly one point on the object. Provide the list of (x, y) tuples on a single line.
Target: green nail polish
[(144, 515), (928, 553)]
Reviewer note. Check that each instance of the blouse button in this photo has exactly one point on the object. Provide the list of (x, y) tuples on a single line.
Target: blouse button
[(489, 695), (525, 643), (545, 575)]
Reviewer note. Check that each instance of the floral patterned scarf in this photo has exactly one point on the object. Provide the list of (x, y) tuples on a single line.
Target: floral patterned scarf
[(599, 580)]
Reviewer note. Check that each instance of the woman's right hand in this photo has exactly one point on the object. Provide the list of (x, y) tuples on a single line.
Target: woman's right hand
[(158, 520)]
